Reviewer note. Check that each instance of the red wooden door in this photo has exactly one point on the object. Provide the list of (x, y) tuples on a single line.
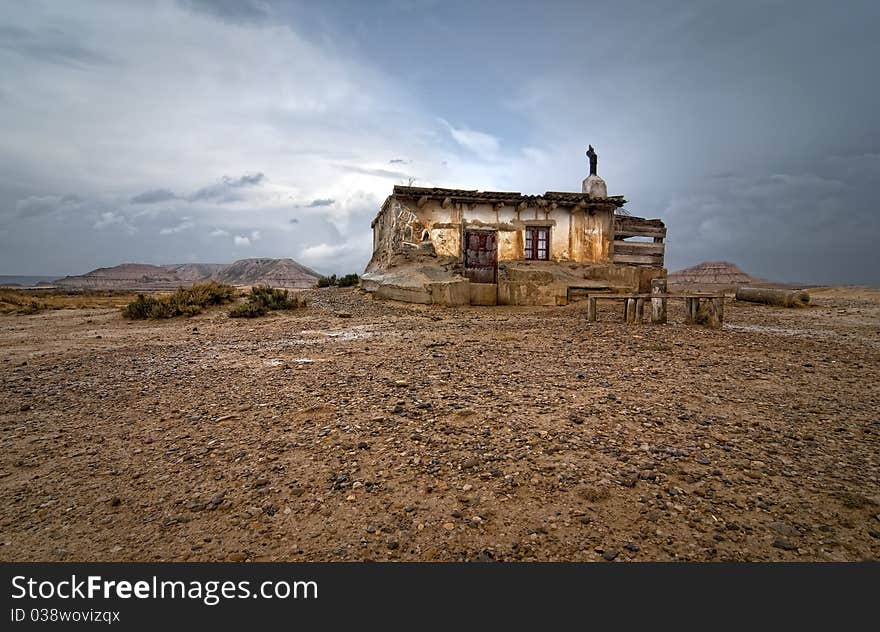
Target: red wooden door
[(481, 255)]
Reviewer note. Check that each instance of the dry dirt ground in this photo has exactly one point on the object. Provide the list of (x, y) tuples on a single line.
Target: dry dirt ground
[(402, 432)]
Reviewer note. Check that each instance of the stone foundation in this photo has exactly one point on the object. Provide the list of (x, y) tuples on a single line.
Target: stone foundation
[(536, 283), (483, 293)]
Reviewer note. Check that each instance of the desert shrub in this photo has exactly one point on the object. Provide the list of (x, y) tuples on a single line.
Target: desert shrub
[(272, 297), (248, 310), (204, 294), (349, 280), (185, 301), (327, 281), (263, 298), (139, 308)]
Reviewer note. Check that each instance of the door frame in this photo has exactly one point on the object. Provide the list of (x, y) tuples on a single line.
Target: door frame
[(465, 241)]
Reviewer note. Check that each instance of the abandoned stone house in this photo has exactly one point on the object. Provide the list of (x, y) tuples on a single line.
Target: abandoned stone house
[(459, 247)]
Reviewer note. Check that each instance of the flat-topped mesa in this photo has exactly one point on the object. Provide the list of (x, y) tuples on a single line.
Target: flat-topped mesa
[(466, 246), (285, 273)]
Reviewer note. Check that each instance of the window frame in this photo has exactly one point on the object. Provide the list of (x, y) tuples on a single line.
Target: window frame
[(532, 243)]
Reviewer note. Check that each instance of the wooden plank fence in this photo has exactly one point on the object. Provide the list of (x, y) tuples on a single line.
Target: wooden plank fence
[(640, 253)]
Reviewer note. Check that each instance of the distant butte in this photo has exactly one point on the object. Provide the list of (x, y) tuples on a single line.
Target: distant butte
[(285, 273)]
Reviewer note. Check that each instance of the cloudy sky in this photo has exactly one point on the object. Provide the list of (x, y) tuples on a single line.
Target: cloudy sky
[(172, 131)]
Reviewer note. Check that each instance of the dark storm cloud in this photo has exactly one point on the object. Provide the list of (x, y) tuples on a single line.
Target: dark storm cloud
[(51, 45), (784, 227), (153, 197), (247, 180), (320, 202), (226, 189), (382, 173), (230, 10), (398, 161), (722, 118), (37, 205)]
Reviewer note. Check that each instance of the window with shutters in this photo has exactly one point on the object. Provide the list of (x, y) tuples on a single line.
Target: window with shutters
[(538, 242)]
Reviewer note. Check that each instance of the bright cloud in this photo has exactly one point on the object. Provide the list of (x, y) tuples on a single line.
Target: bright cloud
[(480, 143)]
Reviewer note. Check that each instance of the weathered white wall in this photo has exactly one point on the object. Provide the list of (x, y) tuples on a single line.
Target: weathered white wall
[(575, 235)]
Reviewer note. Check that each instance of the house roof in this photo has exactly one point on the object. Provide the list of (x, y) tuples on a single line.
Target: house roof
[(561, 198)]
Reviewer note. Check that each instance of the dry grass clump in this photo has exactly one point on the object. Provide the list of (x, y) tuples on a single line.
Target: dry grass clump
[(262, 299), (185, 301), (31, 301), (12, 302)]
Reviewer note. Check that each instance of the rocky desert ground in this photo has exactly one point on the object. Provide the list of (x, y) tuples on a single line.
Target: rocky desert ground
[(362, 430)]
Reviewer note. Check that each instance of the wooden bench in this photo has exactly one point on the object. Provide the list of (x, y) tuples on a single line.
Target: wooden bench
[(634, 305), (583, 290)]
